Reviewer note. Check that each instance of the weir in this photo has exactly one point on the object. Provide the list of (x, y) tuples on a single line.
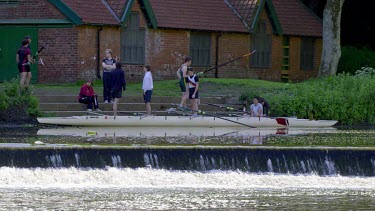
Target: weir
[(321, 161)]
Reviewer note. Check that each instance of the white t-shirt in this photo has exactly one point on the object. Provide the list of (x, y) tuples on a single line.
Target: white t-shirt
[(147, 82), (256, 109)]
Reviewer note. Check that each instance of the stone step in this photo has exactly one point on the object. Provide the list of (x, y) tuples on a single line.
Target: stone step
[(121, 106), (131, 99)]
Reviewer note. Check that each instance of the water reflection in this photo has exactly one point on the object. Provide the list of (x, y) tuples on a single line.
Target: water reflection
[(257, 133)]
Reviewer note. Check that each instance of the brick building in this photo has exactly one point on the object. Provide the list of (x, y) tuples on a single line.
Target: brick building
[(286, 35)]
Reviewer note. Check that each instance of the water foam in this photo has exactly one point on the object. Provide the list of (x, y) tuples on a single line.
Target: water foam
[(151, 178)]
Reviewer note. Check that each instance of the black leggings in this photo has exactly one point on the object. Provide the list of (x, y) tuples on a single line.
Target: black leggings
[(90, 101)]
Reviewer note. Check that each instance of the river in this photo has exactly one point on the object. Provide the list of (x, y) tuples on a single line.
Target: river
[(181, 173)]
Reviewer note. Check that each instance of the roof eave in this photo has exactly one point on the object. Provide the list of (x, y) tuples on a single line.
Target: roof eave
[(67, 11), (271, 12)]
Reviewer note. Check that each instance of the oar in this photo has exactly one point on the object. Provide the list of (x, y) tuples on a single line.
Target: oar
[(201, 74), (209, 114), (279, 120)]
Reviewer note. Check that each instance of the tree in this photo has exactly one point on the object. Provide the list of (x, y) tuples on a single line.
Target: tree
[(331, 38)]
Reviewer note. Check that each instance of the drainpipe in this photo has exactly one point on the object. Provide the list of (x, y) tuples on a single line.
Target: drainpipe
[(217, 55), (98, 52)]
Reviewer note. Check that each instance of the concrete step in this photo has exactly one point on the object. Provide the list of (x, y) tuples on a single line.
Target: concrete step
[(121, 106), (130, 99)]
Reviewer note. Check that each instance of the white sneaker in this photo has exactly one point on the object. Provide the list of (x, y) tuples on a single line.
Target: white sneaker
[(105, 101), (89, 109), (98, 109)]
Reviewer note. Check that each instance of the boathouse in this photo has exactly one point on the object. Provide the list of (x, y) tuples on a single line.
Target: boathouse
[(287, 37)]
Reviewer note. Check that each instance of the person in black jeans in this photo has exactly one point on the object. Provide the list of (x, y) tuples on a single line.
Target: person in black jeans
[(88, 96), (108, 64)]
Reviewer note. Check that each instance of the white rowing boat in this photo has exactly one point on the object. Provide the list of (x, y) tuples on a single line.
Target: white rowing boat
[(184, 121)]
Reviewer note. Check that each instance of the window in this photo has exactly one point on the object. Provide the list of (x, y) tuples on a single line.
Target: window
[(307, 53), (200, 48), (261, 42), (133, 41)]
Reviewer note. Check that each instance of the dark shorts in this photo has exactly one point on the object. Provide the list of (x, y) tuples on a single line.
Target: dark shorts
[(182, 85), (116, 94), (23, 68), (147, 96), (191, 91)]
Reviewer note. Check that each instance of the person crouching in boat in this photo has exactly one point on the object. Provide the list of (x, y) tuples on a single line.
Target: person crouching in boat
[(256, 109), (265, 105), (193, 82), (88, 96), (117, 85)]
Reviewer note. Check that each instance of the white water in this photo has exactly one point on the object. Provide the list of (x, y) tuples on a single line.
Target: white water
[(123, 178)]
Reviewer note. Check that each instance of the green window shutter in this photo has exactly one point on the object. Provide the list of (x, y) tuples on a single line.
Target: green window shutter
[(133, 41), (307, 54), (261, 41), (200, 48)]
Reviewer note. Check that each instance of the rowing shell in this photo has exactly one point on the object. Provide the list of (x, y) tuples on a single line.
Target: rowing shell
[(183, 121)]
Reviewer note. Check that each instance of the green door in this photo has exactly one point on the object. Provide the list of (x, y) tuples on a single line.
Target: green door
[(10, 41)]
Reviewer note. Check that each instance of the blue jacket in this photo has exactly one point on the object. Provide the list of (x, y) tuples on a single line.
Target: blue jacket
[(117, 78)]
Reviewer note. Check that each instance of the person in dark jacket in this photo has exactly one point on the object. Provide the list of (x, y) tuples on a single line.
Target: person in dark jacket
[(117, 85), (88, 96), (266, 106)]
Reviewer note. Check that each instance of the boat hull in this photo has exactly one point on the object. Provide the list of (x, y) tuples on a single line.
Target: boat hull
[(182, 121)]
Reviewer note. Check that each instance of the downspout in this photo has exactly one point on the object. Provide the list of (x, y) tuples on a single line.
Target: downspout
[(98, 53), (217, 56)]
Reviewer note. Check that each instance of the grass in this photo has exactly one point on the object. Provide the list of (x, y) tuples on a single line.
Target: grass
[(210, 87)]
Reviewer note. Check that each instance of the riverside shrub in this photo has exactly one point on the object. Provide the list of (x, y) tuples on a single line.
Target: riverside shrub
[(10, 97), (349, 99)]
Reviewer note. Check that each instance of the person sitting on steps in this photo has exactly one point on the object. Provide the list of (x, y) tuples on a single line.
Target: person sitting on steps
[(88, 96)]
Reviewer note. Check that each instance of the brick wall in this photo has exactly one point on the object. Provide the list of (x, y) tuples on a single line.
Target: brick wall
[(59, 56), (71, 53), (32, 9), (87, 44), (295, 73)]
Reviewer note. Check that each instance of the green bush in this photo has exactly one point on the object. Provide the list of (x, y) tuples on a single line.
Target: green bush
[(10, 97), (346, 98), (353, 58)]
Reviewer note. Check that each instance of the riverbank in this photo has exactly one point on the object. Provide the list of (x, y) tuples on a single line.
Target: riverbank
[(348, 99)]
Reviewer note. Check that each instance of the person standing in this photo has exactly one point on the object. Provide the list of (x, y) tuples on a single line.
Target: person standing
[(256, 108), (117, 80), (23, 59), (193, 82), (108, 64), (182, 74), (88, 96), (147, 87)]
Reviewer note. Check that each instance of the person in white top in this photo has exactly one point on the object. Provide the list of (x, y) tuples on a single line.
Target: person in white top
[(147, 87), (256, 108)]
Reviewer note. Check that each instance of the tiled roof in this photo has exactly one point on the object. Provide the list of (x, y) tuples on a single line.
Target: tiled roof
[(245, 9), (296, 19), (211, 15), (91, 11), (118, 6)]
